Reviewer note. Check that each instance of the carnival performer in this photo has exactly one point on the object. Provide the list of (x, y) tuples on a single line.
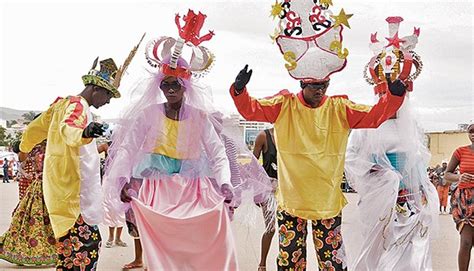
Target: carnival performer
[(30, 238), (71, 178), (311, 131), (462, 200), (168, 139), (387, 167)]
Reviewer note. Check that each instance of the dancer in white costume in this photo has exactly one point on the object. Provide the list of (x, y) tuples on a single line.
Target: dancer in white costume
[(387, 167)]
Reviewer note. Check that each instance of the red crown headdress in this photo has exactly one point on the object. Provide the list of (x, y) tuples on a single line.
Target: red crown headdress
[(162, 48), (394, 58)]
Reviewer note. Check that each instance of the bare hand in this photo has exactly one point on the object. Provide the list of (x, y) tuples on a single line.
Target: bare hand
[(22, 156), (124, 196), (226, 191), (274, 183)]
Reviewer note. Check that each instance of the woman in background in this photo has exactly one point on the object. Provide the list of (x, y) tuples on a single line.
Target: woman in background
[(462, 200), (30, 239)]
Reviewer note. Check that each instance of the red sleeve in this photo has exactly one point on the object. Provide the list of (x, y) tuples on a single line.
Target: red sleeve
[(362, 116), (75, 115), (457, 154), (266, 109)]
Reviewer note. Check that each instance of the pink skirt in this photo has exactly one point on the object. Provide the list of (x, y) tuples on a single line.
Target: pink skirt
[(184, 225)]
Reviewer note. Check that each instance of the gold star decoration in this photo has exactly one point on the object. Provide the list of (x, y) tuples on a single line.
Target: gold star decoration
[(325, 2), (341, 19), (276, 33), (276, 9)]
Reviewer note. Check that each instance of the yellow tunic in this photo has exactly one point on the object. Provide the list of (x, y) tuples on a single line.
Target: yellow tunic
[(311, 145), (62, 125), (311, 168), (166, 143)]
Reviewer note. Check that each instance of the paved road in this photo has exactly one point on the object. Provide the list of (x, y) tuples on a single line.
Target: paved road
[(248, 238)]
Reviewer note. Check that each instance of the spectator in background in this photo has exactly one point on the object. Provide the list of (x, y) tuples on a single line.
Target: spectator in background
[(5, 171), (265, 145), (462, 200), (430, 172), (443, 188)]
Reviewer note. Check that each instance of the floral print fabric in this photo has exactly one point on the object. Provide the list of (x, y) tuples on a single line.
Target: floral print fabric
[(30, 238), (31, 168), (326, 237), (462, 204), (79, 249)]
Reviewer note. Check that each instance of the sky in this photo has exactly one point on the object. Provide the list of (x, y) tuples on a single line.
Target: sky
[(46, 46)]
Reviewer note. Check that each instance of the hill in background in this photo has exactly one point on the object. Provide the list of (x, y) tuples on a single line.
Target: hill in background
[(13, 114)]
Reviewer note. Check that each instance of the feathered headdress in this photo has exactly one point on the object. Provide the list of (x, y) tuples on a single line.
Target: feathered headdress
[(109, 76)]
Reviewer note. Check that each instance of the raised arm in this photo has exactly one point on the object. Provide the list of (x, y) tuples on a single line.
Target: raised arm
[(362, 116), (266, 109)]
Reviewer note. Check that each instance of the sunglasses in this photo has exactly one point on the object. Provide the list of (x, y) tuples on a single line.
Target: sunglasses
[(166, 85), (317, 86)]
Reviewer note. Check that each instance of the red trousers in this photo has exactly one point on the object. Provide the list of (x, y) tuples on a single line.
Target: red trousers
[(443, 195)]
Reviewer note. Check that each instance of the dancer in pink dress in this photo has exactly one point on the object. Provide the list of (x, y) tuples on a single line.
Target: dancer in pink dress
[(168, 138)]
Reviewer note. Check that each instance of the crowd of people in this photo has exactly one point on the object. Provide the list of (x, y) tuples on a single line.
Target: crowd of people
[(174, 175)]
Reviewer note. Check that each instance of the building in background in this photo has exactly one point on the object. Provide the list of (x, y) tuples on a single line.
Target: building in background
[(247, 130), (443, 144)]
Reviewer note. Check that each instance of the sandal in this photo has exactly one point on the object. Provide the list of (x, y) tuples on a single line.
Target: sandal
[(132, 265), (262, 268), (109, 244), (121, 243)]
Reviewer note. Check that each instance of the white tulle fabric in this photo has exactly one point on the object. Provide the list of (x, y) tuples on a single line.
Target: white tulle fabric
[(200, 132), (396, 235), (91, 190)]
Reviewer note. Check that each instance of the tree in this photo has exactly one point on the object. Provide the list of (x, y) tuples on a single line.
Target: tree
[(28, 117), (3, 136), (10, 139), (10, 123)]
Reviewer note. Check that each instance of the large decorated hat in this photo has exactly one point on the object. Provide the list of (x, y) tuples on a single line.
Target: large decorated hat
[(393, 58), (309, 36), (109, 76), (168, 48)]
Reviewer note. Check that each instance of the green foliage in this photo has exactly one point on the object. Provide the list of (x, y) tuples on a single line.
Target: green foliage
[(28, 117), (3, 136)]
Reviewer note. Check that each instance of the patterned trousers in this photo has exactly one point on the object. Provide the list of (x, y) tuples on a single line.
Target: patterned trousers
[(326, 237), (79, 249)]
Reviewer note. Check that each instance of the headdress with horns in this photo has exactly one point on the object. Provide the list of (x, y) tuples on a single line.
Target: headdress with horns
[(169, 48), (109, 76)]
